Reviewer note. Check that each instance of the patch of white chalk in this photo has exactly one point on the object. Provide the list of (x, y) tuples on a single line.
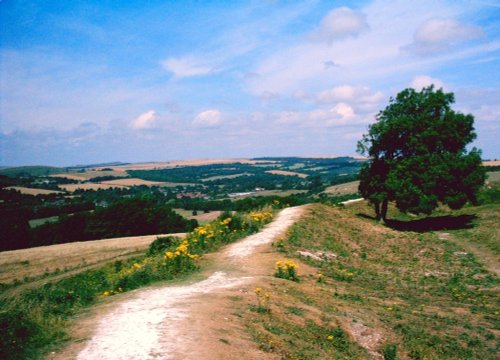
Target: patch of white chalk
[(131, 332), (280, 224)]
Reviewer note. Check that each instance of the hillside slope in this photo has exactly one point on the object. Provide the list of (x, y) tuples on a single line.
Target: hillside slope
[(419, 295)]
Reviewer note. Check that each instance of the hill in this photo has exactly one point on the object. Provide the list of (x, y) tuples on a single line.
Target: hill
[(31, 171)]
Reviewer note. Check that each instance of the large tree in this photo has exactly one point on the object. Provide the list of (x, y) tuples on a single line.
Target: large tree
[(417, 155)]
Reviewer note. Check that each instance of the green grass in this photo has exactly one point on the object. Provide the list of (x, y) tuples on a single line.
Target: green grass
[(31, 171), (428, 295)]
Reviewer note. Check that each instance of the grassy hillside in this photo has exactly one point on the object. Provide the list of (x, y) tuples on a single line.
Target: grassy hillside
[(392, 293), (31, 171)]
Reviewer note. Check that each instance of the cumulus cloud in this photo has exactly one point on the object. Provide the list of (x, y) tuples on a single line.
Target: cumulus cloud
[(208, 118), (340, 23), (186, 67), (145, 120), (340, 114), (438, 35), (421, 81), (360, 96)]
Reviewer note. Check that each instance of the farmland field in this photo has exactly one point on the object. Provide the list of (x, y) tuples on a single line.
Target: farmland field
[(287, 173), (343, 189), (34, 262), (132, 182), (87, 175)]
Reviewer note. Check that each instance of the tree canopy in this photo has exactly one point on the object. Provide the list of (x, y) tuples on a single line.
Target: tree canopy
[(417, 155)]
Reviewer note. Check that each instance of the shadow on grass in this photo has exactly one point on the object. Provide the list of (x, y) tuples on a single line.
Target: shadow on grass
[(447, 222), (437, 223)]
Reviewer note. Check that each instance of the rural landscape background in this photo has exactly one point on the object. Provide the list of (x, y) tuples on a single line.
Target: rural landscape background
[(249, 180)]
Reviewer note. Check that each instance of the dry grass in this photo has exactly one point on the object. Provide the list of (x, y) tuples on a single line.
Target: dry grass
[(202, 217), (491, 163), (31, 191), (35, 262), (287, 173), (421, 295), (88, 186), (82, 176), (343, 189), (172, 164), (132, 182), (493, 176)]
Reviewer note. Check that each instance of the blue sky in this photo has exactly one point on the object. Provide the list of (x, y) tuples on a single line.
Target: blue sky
[(98, 81)]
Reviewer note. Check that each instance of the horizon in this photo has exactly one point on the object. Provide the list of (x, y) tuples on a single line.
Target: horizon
[(84, 82)]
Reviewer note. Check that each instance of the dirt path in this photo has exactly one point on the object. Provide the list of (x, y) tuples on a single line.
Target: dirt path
[(182, 322)]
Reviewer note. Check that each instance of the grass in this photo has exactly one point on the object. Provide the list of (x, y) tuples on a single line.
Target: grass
[(40, 221), (132, 182), (33, 263), (343, 189), (34, 320), (425, 296), (287, 173)]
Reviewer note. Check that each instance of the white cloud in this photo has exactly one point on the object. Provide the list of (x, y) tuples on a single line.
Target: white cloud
[(371, 57), (340, 23), (421, 81), (145, 120), (361, 97), (208, 118), (187, 67), (438, 35)]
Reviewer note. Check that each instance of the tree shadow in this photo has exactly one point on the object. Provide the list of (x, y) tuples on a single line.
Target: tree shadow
[(437, 223)]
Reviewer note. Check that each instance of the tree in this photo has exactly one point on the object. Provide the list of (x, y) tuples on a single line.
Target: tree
[(418, 156)]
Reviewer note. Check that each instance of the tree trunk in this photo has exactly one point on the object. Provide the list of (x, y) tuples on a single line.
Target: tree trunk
[(383, 210), (376, 205)]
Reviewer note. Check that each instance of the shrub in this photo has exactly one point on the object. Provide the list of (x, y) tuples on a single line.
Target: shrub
[(160, 245)]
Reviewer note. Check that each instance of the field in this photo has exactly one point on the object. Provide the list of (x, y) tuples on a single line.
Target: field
[(33, 191), (287, 173), (202, 217), (491, 163), (173, 164), (343, 189), (35, 262), (493, 176), (91, 174), (132, 182)]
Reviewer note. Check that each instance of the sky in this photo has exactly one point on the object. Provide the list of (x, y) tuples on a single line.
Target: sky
[(85, 82)]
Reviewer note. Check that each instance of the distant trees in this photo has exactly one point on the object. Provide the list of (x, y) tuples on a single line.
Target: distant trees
[(418, 155)]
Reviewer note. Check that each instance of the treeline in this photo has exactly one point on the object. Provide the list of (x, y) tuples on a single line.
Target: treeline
[(126, 217)]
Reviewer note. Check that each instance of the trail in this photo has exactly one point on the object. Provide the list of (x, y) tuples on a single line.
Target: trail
[(172, 322)]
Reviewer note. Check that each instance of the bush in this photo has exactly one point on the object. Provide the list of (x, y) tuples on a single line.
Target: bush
[(160, 245)]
